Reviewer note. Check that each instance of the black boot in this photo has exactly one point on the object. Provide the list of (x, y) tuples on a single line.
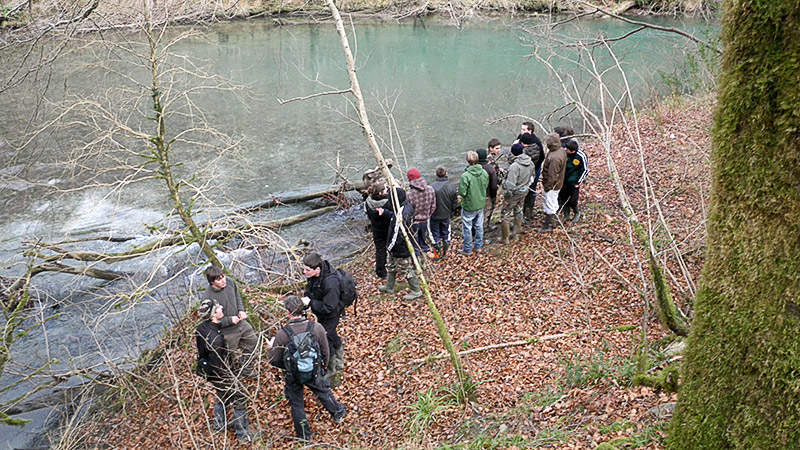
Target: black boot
[(303, 430), (577, 217), (220, 418), (241, 424)]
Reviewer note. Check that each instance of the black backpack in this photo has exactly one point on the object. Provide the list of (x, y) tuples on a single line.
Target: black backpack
[(302, 356), (347, 289)]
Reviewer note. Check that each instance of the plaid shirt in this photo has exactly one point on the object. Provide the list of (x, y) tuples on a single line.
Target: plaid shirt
[(423, 198)]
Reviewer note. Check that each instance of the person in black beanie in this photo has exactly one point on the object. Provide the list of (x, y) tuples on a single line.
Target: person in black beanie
[(534, 149)]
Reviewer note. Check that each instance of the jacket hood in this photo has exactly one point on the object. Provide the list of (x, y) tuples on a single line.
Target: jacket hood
[(523, 160), (401, 196), (475, 169)]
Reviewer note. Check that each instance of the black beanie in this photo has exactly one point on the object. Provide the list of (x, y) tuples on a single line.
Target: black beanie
[(482, 154), (516, 149)]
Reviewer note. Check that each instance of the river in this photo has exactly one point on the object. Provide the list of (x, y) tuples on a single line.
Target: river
[(434, 91)]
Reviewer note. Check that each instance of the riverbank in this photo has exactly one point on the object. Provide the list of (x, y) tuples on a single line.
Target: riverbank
[(95, 16), (574, 390)]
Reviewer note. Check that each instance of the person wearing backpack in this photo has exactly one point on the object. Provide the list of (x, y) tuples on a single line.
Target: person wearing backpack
[(301, 350), (323, 296), (214, 358)]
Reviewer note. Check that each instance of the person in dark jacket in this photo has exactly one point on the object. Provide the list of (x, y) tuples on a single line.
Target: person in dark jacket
[(532, 147), (575, 172), (399, 255), (446, 204), (239, 334), (211, 347), (318, 384), (491, 190), (378, 198), (323, 295)]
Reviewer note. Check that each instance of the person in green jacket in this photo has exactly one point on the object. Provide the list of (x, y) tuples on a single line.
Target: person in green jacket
[(472, 190)]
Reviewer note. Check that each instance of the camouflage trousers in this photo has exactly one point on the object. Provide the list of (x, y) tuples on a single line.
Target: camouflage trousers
[(512, 206), (401, 267)]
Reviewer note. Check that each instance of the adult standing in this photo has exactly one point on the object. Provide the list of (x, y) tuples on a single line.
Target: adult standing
[(378, 198), (399, 256), (424, 200), (446, 204), (577, 168), (552, 179), (472, 190), (211, 349), (323, 295), (299, 329), (532, 147), (491, 189), (240, 338), (515, 188)]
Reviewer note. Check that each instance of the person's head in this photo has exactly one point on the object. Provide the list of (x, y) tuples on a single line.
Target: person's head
[(526, 139), (552, 141), (377, 189), (494, 146), (516, 149), (441, 172), (572, 146), (216, 277), (210, 310), (472, 158), (527, 127), (564, 131), (312, 265), (482, 155), (413, 174), (294, 306)]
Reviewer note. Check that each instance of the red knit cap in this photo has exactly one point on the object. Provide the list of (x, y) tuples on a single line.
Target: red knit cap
[(413, 174)]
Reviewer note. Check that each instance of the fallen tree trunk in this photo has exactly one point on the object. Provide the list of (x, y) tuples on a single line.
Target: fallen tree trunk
[(297, 198)]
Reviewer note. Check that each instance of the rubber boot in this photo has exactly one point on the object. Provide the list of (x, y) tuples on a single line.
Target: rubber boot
[(241, 425), (506, 229), (416, 292), (220, 419), (577, 217), (339, 354), (303, 430), (389, 286), (517, 229), (547, 224)]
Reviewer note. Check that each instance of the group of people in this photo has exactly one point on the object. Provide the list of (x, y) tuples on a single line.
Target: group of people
[(310, 354), (511, 173), (415, 219)]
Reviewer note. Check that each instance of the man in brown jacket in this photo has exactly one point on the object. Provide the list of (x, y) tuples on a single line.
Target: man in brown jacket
[(299, 327), (552, 179)]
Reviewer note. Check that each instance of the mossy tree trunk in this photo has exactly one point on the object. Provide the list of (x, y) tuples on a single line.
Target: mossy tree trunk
[(741, 379)]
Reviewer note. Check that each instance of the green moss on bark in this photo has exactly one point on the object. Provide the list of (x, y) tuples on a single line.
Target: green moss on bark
[(741, 380)]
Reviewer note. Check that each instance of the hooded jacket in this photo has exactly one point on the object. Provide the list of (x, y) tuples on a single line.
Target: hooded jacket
[(519, 175), (577, 168), (324, 292), (472, 188), (211, 347), (395, 243), (446, 198), (380, 224), (553, 169), (423, 198)]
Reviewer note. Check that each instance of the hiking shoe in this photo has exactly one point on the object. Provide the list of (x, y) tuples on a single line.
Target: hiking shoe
[(338, 416), (462, 252)]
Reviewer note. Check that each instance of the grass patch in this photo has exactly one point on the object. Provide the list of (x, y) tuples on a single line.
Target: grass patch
[(396, 343), (426, 409)]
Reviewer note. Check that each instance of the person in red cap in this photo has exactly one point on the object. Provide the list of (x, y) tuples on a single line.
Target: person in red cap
[(423, 198)]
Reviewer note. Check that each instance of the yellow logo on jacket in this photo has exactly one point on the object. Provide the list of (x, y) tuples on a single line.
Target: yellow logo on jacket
[(576, 162)]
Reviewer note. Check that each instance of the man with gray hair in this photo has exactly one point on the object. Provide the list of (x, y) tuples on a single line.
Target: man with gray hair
[(472, 190), (552, 179)]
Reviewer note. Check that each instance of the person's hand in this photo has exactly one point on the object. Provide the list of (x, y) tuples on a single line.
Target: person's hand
[(235, 320), (305, 301), (242, 315), (380, 211)]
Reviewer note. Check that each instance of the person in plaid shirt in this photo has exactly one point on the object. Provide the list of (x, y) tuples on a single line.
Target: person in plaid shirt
[(423, 198)]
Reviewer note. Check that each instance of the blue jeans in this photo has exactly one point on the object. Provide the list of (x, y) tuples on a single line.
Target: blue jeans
[(440, 228), (420, 234), (472, 220)]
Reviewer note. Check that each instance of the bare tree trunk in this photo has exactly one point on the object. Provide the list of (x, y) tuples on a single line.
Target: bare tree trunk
[(355, 89)]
